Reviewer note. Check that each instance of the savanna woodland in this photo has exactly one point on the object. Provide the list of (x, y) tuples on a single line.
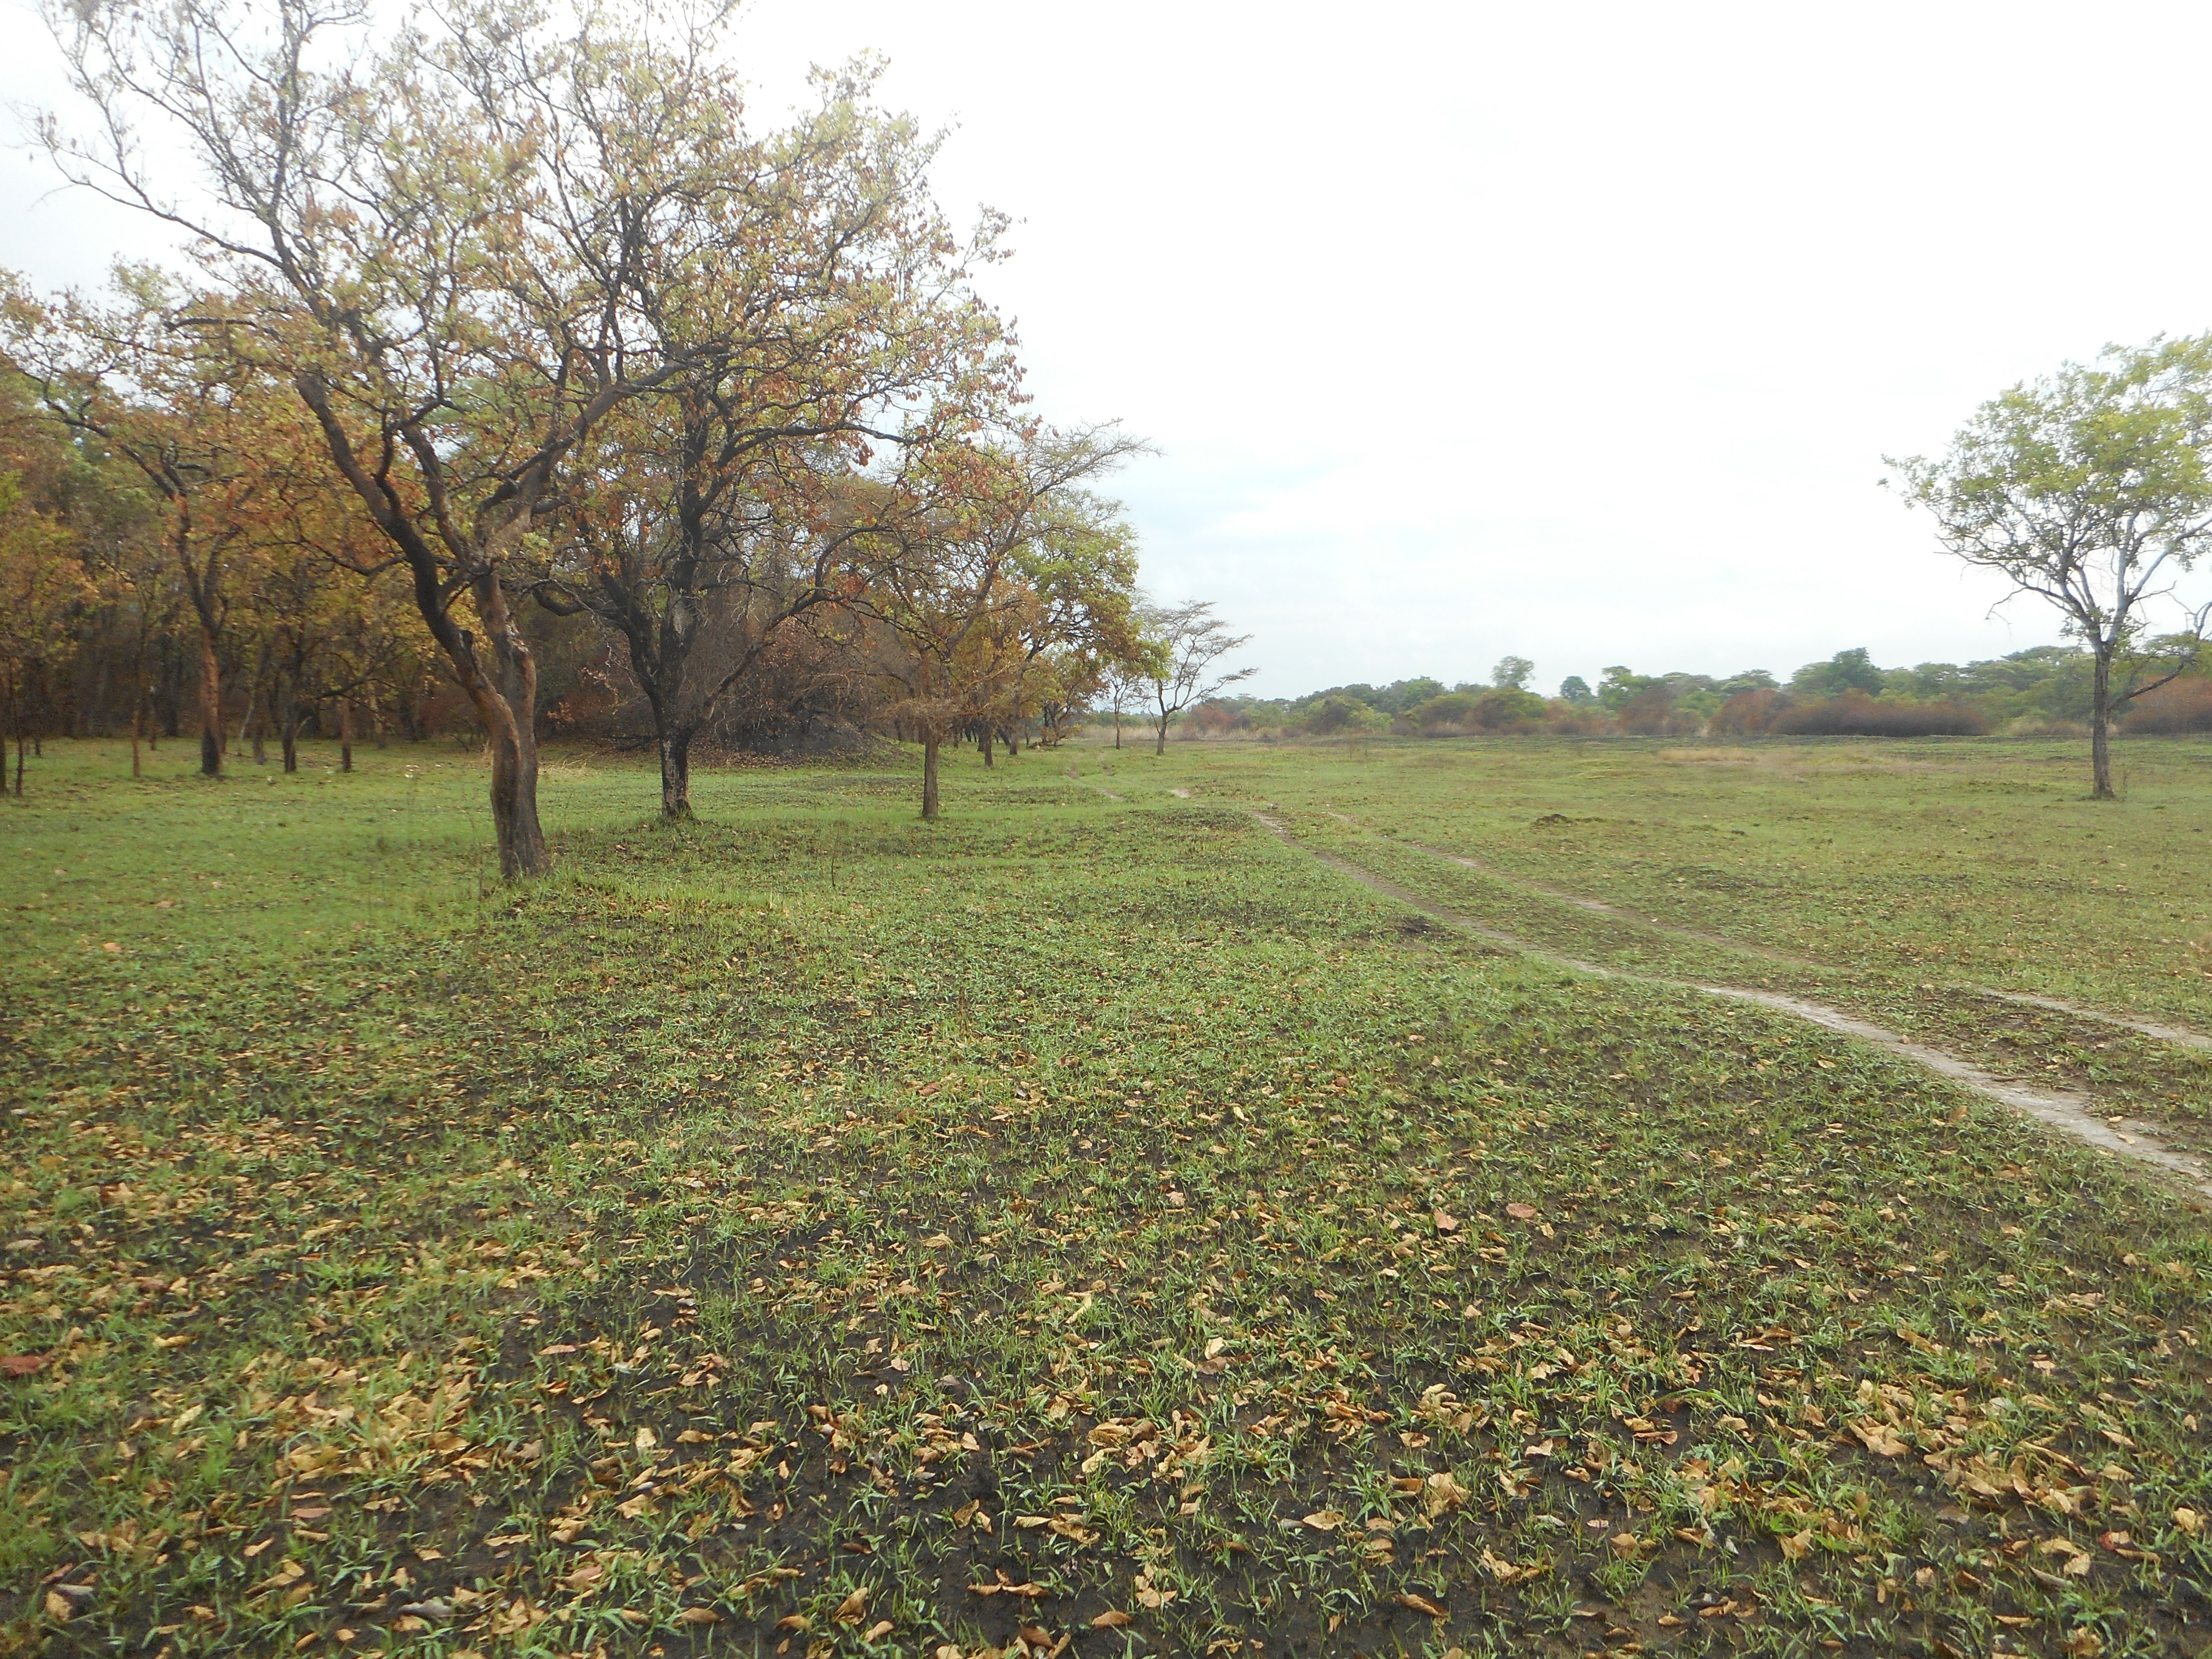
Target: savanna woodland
[(625, 1034)]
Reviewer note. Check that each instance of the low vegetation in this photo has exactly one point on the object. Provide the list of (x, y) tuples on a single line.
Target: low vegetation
[(1089, 1223)]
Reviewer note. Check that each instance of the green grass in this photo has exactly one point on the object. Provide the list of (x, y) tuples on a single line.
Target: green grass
[(812, 1231)]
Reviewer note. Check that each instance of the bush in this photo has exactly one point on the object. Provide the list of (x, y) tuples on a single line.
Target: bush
[(2179, 705), (1748, 712), (1651, 714), (1855, 714), (1455, 709), (1332, 715)]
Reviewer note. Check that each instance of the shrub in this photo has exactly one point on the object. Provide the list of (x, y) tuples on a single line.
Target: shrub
[(1332, 715), (1748, 712), (1651, 714), (2182, 705), (1453, 708), (1855, 714)]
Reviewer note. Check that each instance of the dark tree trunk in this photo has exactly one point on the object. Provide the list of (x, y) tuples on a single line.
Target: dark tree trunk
[(676, 774), (986, 746), (210, 707), (290, 730), (2100, 724), (929, 775), (137, 720), (1161, 748), (345, 734)]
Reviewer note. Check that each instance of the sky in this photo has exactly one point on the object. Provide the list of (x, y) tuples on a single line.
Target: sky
[(1576, 332)]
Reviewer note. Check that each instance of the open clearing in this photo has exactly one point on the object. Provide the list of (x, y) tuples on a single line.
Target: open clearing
[(1094, 1224)]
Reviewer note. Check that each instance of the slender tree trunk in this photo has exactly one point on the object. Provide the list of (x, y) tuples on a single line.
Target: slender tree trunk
[(676, 774), (1117, 726), (1161, 748), (376, 720), (345, 734), (137, 720), (986, 746), (210, 707), (290, 733), (2101, 723), (929, 775), (256, 721)]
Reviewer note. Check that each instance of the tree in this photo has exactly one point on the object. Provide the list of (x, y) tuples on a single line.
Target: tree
[(2090, 489), (1512, 673), (1189, 639), (967, 556), (1575, 689), (41, 587), (440, 239), (837, 302), (1847, 671), (197, 426)]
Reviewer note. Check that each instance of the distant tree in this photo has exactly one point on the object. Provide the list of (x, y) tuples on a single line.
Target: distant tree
[(2091, 489), (1512, 673), (1847, 671), (1620, 684), (1751, 679), (1576, 689), (1191, 639), (41, 586)]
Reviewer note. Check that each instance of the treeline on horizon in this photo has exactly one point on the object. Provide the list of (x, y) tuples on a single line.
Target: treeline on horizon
[(2045, 691)]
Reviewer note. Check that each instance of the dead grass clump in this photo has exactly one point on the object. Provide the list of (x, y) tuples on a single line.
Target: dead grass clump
[(1709, 757)]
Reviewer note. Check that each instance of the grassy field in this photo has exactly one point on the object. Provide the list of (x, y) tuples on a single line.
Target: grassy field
[(1093, 1225)]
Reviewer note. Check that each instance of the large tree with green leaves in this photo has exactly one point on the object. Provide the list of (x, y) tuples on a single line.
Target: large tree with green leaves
[(2092, 488)]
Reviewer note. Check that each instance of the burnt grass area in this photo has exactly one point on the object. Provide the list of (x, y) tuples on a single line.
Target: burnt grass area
[(1083, 1227)]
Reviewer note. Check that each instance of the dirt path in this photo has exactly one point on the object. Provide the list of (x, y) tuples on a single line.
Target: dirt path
[(2180, 1035), (2073, 1114)]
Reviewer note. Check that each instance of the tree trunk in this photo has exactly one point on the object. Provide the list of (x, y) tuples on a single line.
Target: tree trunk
[(676, 774), (2101, 722), (137, 720), (509, 711), (256, 721), (291, 729), (1162, 747), (1117, 726), (376, 720), (929, 775), (986, 746), (210, 707), (345, 734)]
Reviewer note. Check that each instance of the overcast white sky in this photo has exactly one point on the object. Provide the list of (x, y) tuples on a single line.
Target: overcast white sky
[(1576, 331)]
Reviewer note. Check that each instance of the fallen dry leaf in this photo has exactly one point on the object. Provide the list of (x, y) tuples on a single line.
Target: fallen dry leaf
[(1112, 1619), (1420, 1604), (1323, 1520), (698, 1616), (1443, 1492), (1523, 1212)]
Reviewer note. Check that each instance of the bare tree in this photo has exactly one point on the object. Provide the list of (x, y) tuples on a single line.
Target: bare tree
[(1190, 639), (2091, 488)]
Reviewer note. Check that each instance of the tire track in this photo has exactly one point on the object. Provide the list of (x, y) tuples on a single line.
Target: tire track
[(2065, 1110)]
